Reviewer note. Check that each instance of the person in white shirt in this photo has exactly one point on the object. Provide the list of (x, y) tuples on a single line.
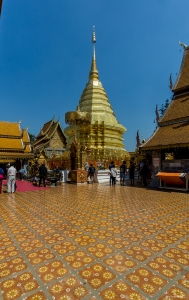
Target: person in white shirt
[(113, 174), (11, 176)]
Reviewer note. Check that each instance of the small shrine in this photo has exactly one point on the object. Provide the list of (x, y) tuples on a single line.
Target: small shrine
[(94, 134), (15, 144), (169, 144), (50, 144)]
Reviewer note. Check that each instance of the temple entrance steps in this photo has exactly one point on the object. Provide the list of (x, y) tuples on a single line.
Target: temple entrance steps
[(104, 176)]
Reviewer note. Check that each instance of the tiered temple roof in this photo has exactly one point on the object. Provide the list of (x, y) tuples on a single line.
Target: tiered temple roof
[(14, 142), (47, 133), (173, 127)]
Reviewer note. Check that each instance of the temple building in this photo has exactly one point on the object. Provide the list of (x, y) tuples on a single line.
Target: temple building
[(169, 145), (94, 126), (14, 144), (50, 143)]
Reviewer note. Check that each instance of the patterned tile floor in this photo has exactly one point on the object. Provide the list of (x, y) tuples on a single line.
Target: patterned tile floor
[(94, 242)]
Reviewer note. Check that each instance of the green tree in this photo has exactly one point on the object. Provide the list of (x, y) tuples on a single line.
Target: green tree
[(32, 137)]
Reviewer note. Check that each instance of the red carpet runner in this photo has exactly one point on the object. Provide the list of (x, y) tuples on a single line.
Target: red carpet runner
[(26, 186)]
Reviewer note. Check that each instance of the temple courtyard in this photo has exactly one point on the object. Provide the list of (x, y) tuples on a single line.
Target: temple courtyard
[(94, 242)]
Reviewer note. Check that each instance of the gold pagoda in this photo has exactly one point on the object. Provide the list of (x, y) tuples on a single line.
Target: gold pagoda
[(93, 128)]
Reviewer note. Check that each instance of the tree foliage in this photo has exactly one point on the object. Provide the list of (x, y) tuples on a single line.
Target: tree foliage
[(32, 137), (164, 107)]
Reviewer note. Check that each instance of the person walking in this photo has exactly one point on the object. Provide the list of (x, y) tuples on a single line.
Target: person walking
[(113, 174), (42, 174), (91, 173), (11, 176)]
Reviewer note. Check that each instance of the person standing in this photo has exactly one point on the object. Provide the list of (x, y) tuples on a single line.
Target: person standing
[(110, 167), (91, 173), (1, 178), (11, 176), (113, 174), (42, 174), (132, 172), (87, 169), (123, 172), (144, 173)]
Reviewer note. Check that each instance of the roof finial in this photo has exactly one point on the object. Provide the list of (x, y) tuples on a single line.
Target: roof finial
[(94, 72), (93, 35), (183, 45)]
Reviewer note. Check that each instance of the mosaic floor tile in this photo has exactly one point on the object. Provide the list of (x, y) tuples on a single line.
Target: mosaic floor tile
[(40, 256), (119, 263), (100, 250), (138, 253), (97, 275), (165, 267), (52, 271), (147, 281), (16, 286), (12, 266), (175, 293), (68, 289), (78, 259), (121, 290), (178, 256), (64, 247)]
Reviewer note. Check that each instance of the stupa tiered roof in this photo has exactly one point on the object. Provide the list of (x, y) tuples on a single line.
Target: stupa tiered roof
[(104, 133), (173, 127)]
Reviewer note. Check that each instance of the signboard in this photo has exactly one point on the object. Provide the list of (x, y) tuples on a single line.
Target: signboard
[(156, 162)]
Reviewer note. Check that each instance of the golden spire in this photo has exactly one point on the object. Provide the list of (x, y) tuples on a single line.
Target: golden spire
[(93, 72)]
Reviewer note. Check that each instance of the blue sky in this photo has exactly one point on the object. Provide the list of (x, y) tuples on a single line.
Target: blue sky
[(45, 58)]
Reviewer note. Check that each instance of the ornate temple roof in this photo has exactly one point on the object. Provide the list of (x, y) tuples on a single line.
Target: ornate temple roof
[(14, 141), (170, 136), (9, 143), (174, 125), (46, 127), (46, 134), (178, 110), (10, 129), (182, 81)]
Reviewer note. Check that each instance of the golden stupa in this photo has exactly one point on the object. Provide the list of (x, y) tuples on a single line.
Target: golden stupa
[(93, 126)]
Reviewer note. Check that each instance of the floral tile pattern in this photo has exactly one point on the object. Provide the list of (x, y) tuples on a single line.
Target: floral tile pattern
[(94, 242)]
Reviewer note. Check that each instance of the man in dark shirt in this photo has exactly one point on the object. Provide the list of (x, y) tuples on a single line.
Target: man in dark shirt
[(42, 174), (123, 169), (91, 173), (110, 167), (144, 173)]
